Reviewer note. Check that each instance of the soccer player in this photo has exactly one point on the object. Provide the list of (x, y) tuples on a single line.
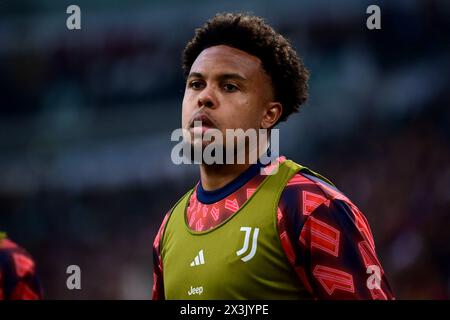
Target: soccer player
[(241, 232), (18, 279)]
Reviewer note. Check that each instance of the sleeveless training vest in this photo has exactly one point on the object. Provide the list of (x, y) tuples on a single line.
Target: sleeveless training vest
[(241, 258)]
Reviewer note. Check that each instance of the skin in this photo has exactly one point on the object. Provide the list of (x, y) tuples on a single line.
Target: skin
[(232, 89)]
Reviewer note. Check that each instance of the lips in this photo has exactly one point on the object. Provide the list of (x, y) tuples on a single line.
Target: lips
[(206, 122)]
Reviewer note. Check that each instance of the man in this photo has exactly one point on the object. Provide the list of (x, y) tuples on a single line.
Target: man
[(241, 233), (18, 280)]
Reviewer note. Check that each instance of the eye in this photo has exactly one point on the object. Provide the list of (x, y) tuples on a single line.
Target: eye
[(229, 87), (195, 84)]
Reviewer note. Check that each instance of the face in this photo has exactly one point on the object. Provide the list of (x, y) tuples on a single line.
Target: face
[(228, 89)]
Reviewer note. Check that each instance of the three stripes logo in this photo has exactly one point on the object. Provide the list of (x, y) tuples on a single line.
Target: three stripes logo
[(251, 254), (199, 259)]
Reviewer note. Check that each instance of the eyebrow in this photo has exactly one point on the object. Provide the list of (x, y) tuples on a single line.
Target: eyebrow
[(224, 76)]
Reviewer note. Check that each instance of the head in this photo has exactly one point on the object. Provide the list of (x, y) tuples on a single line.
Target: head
[(241, 74)]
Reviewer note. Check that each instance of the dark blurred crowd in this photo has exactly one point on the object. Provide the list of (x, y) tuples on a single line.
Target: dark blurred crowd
[(85, 122), (400, 180)]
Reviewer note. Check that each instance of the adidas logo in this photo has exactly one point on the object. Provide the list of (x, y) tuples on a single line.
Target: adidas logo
[(199, 259)]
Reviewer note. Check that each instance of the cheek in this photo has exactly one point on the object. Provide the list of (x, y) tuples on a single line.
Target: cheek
[(186, 111), (248, 114)]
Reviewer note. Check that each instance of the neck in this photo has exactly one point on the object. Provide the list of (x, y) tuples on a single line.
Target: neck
[(216, 176)]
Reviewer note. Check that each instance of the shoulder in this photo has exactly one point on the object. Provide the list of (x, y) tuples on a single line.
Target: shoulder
[(159, 234), (309, 198), (167, 216), (308, 191)]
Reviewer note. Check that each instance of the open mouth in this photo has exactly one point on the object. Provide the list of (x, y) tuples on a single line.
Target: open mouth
[(202, 122)]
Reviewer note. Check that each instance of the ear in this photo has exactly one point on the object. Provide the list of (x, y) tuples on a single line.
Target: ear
[(271, 115)]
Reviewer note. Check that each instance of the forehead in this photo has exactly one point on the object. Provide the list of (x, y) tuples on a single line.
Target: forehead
[(223, 58)]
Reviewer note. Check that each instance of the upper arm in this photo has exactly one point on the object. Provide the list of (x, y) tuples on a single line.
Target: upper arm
[(328, 242), (158, 280), (338, 248)]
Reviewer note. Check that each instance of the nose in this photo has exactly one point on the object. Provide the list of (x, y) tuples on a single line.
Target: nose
[(206, 98)]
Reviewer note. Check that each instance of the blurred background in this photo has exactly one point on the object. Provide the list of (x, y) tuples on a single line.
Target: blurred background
[(86, 118)]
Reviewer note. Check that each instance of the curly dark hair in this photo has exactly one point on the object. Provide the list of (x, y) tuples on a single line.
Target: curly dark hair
[(254, 36)]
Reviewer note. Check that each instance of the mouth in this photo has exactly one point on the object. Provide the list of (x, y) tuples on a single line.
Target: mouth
[(205, 122)]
